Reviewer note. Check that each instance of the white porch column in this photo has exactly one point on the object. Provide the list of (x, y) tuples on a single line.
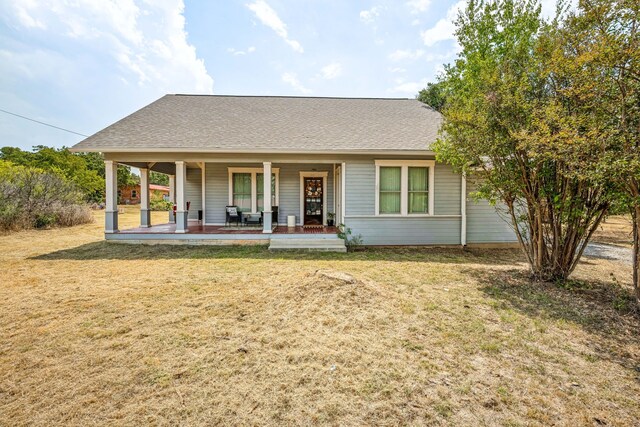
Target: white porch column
[(172, 197), (266, 221), (145, 211), (181, 210), (111, 196), (463, 210)]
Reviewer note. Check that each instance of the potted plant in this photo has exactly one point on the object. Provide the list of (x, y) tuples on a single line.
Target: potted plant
[(330, 218)]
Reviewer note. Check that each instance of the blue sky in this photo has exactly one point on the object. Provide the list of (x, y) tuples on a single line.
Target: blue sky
[(83, 65)]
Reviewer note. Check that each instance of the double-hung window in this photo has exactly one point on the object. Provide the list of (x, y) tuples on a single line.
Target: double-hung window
[(260, 190), (241, 188), (404, 187), (246, 188)]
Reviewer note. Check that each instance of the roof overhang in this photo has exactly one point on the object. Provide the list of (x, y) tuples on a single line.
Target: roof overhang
[(253, 151)]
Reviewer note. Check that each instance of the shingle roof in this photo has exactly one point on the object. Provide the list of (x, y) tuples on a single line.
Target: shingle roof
[(211, 123)]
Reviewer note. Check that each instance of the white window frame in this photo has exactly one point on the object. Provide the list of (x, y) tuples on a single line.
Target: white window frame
[(404, 166), (254, 185)]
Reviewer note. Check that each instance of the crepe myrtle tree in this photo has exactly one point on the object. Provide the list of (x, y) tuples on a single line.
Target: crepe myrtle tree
[(601, 59), (528, 145)]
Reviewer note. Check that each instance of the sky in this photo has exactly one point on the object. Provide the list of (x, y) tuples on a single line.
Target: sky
[(85, 64)]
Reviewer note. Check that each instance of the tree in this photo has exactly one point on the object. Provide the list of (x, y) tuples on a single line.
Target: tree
[(70, 166), (509, 126), (125, 177), (433, 95), (603, 55), (158, 178)]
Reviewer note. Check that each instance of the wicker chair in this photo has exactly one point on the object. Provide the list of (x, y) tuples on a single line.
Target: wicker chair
[(232, 215)]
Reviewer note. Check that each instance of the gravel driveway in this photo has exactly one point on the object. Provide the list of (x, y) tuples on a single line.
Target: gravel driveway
[(601, 250)]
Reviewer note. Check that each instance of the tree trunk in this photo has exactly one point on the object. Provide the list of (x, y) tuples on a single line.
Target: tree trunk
[(636, 252)]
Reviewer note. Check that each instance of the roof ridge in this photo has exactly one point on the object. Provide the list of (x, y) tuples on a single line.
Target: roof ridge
[(291, 96)]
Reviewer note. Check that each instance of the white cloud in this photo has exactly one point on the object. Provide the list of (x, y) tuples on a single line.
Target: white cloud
[(331, 71), (292, 79), (368, 16), (148, 42), (397, 70), (236, 52), (409, 87), (418, 6), (443, 29), (400, 54), (270, 18)]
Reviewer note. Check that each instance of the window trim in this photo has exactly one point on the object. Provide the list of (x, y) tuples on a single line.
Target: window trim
[(254, 185), (404, 166)]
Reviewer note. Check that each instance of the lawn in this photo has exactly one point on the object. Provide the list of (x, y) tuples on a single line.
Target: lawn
[(615, 230), (103, 333)]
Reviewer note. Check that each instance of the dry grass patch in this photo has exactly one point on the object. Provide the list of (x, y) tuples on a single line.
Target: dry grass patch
[(615, 230), (98, 333)]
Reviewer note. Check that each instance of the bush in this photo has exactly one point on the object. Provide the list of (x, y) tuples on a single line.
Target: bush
[(67, 216), (30, 197), (157, 203)]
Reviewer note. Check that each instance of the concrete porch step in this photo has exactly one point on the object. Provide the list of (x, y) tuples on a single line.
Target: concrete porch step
[(327, 245)]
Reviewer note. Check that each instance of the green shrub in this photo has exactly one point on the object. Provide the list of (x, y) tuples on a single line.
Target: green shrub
[(157, 203), (33, 198)]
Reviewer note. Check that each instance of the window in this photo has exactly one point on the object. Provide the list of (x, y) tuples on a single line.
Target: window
[(246, 188), (242, 191), (404, 187), (390, 189), (134, 194), (260, 190), (418, 190)]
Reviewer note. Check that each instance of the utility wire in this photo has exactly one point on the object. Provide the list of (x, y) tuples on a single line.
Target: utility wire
[(43, 123)]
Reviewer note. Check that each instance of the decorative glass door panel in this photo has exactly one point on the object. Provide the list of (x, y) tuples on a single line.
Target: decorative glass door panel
[(313, 201)]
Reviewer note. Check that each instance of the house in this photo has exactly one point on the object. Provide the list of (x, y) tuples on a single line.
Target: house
[(130, 194), (365, 162)]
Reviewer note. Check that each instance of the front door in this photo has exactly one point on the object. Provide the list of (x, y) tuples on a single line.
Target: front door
[(313, 198)]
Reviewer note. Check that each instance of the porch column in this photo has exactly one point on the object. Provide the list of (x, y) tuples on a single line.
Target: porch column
[(172, 197), (463, 210), (181, 210), (266, 224), (111, 197), (145, 211)]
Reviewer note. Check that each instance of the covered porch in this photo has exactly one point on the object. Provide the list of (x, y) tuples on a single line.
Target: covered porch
[(307, 195)]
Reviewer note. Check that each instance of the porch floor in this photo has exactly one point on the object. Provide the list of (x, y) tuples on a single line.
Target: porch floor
[(218, 229)]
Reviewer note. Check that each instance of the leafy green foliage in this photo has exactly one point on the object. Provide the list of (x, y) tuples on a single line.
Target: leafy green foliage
[(602, 61), (83, 170), (520, 135), (433, 95), (158, 178), (32, 197), (158, 203)]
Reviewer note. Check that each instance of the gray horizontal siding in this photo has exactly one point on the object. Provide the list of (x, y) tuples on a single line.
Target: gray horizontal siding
[(361, 184), (447, 190), (194, 191), (217, 188), (406, 231), (486, 223), (216, 192)]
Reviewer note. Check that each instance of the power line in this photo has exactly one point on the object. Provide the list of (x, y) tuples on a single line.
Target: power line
[(43, 123)]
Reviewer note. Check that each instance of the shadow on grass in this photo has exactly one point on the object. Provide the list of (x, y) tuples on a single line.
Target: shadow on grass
[(115, 251), (605, 310)]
